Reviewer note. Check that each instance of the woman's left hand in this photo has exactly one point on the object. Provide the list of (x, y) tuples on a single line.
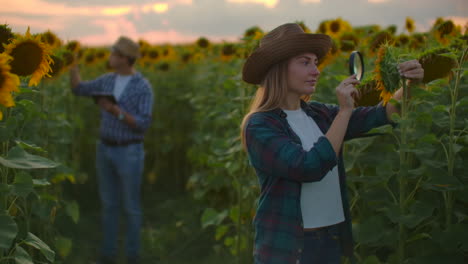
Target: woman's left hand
[(411, 70)]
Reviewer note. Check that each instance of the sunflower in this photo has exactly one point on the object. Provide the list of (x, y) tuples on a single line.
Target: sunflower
[(348, 41), (303, 26), (379, 39), (51, 39), (5, 36), (143, 44), (417, 41), (253, 33), (164, 66), (366, 31), (186, 57), (332, 54), (386, 72), (152, 53), (8, 83), (101, 54), (68, 58), (228, 51), (437, 63), (392, 29), (203, 43), (409, 24), (57, 65), (338, 26), (445, 30), (402, 40), (369, 94), (323, 27), (90, 58), (30, 57), (73, 46)]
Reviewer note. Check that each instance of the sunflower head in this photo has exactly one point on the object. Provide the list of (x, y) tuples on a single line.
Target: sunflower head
[(68, 58), (303, 26), (164, 67), (73, 46), (332, 54), (369, 94), (152, 53), (253, 33), (102, 54), (437, 63), (51, 39), (228, 49), (402, 40), (143, 44), (386, 72), (30, 57), (90, 59), (186, 57), (392, 29), (367, 30), (323, 27), (8, 82), (445, 30), (380, 38), (338, 26), (348, 41), (203, 43), (409, 25), (57, 65), (5, 36)]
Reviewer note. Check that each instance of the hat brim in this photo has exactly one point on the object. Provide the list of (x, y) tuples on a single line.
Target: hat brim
[(265, 56)]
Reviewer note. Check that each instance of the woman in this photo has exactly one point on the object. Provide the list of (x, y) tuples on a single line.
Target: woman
[(295, 147)]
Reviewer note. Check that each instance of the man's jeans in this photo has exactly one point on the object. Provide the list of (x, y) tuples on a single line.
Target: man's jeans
[(322, 246), (120, 170)]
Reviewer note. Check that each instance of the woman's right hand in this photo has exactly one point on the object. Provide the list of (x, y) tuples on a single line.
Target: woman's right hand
[(346, 92)]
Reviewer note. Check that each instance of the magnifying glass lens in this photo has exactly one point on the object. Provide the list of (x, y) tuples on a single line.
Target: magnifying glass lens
[(356, 64)]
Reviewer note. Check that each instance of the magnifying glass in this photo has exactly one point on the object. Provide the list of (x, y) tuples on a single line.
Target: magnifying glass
[(356, 65)]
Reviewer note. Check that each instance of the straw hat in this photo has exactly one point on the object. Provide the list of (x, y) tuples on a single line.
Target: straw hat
[(282, 43), (127, 47)]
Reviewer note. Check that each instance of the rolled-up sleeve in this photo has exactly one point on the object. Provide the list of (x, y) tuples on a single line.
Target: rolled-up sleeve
[(362, 119), (272, 151), (143, 115)]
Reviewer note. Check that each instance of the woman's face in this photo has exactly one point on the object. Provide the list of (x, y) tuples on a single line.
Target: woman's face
[(303, 74)]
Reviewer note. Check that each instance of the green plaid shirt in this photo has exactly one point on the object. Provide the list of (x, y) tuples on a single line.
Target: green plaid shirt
[(281, 164)]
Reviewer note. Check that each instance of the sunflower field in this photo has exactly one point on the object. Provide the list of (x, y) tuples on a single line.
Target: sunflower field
[(407, 184)]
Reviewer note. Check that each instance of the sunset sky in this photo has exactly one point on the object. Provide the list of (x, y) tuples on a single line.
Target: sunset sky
[(101, 22)]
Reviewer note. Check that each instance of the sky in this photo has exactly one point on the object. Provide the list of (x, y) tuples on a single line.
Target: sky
[(101, 22)]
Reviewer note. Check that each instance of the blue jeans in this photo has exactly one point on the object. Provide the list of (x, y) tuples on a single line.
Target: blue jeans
[(120, 170), (322, 246)]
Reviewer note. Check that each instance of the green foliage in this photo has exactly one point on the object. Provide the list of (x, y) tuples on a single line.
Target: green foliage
[(407, 183)]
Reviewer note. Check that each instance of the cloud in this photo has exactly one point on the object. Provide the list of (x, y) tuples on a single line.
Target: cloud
[(310, 1), (42, 7), (54, 24), (101, 21), (377, 1), (266, 3), (112, 29)]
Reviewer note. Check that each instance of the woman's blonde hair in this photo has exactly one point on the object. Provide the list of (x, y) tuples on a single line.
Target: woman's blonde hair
[(270, 95)]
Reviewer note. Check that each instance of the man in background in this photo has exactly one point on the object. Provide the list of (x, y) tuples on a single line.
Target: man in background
[(125, 99)]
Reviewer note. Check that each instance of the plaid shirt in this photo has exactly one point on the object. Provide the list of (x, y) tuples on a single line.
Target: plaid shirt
[(136, 99), (281, 164)]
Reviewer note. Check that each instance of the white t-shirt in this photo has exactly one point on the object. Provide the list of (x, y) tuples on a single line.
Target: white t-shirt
[(321, 203), (121, 82)]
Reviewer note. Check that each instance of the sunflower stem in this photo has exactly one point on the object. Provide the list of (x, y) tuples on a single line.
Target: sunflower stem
[(448, 195), (403, 173)]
